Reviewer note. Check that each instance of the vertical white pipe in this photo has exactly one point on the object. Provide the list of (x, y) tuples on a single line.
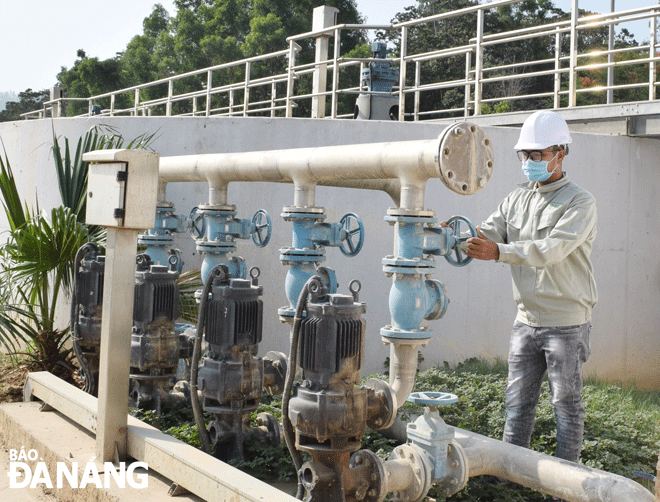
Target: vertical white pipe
[(418, 79), (402, 73), (652, 64), (335, 72), (572, 75), (468, 87), (610, 60), (209, 86), (246, 89), (557, 67), (479, 63), (289, 81)]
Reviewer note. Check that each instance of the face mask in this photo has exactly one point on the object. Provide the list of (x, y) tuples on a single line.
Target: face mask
[(537, 171)]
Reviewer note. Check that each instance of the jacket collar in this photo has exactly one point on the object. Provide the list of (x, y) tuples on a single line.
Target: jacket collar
[(551, 187)]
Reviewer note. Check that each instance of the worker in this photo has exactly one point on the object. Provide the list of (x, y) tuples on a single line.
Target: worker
[(545, 230)]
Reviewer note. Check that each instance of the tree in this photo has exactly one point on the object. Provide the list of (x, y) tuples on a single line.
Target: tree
[(29, 101)]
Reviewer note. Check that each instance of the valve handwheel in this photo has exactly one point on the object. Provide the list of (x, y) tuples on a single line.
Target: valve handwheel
[(352, 225), (461, 258), (263, 229), (197, 223), (433, 398)]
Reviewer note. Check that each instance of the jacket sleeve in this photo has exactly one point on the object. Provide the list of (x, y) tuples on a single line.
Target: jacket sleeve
[(571, 230), (495, 226)]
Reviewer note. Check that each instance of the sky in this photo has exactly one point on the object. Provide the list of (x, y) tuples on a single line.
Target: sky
[(38, 37)]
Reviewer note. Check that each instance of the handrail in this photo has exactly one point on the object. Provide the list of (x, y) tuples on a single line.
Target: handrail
[(279, 94)]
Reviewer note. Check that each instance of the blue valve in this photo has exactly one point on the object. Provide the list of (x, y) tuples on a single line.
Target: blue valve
[(263, 228), (433, 398)]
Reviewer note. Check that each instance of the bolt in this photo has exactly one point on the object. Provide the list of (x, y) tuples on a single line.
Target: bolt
[(358, 459), (373, 476), (371, 493), (418, 471), (277, 364), (378, 422), (454, 463), (454, 481), (482, 182)]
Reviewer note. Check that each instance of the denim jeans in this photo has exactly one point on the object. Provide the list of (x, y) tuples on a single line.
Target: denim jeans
[(561, 351)]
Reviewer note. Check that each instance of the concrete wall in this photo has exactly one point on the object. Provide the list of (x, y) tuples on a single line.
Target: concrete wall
[(619, 171)]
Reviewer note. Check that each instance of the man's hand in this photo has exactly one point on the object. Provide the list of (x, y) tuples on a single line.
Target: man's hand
[(482, 248)]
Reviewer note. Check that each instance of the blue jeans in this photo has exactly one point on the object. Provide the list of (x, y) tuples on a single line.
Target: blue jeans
[(561, 351)]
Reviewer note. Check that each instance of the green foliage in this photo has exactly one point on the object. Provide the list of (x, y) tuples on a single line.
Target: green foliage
[(36, 260), (28, 101)]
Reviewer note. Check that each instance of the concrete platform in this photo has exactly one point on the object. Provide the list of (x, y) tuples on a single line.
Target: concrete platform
[(57, 439)]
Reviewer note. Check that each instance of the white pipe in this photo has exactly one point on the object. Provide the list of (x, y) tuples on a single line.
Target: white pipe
[(550, 475), (412, 162), (403, 367)]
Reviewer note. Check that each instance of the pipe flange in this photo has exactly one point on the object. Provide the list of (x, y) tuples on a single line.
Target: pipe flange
[(465, 158), (425, 220), (458, 471), (296, 209), (415, 213), (384, 400), (224, 208), (421, 468), (420, 335), (370, 472), (164, 205)]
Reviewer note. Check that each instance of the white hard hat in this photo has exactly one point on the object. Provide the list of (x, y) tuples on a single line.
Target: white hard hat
[(542, 130)]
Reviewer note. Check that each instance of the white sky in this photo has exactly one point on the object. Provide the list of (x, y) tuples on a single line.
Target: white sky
[(38, 37)]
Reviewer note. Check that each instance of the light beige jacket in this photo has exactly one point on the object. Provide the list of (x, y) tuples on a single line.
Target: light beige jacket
[(546, 234)]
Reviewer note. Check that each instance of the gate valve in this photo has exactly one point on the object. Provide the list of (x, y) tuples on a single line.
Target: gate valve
[(459, 244), (220, 225)]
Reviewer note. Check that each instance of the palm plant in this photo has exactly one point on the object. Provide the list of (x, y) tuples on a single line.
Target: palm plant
[(37, 258)]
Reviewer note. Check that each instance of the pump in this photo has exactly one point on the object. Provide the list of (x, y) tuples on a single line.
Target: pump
[(379, 78), (231, 377)]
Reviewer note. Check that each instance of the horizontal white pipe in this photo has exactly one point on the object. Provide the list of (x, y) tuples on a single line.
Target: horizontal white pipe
[(411, 162), (540, 472)]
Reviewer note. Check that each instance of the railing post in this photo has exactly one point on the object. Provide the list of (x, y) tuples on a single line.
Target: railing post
[(323, 17), (572, 76), (194, 106), (246, 89), (479, 62), (610, 60), (209, 86), (468, 86), (112, 105), (231, 102), (289, 82), (335, 73), (418, 79), (170, 92), (652, 65), (137, 101), (402, 73), (557, 67), (273, 96)]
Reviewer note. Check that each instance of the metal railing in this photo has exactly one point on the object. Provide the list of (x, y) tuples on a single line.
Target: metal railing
[(236, 89)]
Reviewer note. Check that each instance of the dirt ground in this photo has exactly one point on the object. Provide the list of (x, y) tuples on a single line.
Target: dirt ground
[(13, 375)]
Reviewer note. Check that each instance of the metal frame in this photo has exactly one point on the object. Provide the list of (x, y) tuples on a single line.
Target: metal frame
[(237, 93)]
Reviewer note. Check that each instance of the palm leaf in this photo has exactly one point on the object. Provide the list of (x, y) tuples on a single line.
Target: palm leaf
[(16, 213)]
